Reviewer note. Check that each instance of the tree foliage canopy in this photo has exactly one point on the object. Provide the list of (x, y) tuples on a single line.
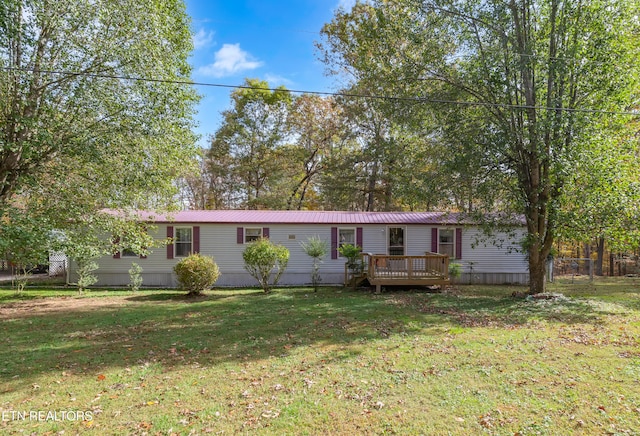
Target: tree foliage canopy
[(548, 76), (93, 114)]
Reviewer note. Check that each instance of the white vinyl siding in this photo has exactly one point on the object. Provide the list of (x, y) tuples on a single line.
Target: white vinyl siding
[(220, 242)]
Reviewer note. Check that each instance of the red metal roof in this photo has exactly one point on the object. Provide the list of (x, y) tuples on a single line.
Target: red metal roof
[(305, 217)]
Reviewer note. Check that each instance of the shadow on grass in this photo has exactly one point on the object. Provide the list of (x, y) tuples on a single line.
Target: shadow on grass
[(501, 311), (172, 329)]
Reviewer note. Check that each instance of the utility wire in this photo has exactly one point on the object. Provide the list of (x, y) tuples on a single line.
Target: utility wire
[(328, 93)]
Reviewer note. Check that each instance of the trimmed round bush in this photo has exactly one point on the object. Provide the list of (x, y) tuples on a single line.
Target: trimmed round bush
[(196, 273)]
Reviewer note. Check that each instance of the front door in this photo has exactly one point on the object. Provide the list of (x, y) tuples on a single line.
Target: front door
[(396, 241)]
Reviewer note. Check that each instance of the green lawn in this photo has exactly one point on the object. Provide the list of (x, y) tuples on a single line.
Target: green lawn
[(468, 361)]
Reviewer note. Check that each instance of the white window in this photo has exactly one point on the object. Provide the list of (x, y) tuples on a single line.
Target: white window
[(345, 237), (446, 242), (183, 241), (396, 241), (252, 234)]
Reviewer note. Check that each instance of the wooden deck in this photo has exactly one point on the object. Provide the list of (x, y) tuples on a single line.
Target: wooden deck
[(384, 270)]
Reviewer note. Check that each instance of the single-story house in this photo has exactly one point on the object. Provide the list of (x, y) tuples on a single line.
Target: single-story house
[(224, 234)]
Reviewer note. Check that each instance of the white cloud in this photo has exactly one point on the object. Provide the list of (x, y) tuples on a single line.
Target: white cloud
[(202, 39), (229, 60), (276, 80)]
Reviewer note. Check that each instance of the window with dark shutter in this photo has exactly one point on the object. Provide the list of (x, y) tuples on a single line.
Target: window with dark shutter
[(434, 240), (116, 241), (170, 246), (334, 242), (458, 243), (196, 239)]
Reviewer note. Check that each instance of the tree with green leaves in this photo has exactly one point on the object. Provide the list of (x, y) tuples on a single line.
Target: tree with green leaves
[(601, 201), (76, 99), (251, 137), (315, 127), (96, 112), (550, 77)]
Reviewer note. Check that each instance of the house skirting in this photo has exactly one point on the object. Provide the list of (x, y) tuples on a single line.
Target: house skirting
[(240, 279), (493, 278)]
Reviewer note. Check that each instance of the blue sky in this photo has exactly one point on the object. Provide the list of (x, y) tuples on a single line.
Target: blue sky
[(264, 39)]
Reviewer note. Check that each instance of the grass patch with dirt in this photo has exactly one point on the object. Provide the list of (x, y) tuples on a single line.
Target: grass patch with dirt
[(470, 360)]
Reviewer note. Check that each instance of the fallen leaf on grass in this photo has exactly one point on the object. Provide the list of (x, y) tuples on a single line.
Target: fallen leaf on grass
[(486, 421), (145, 425), (101, 377), (270, 414)]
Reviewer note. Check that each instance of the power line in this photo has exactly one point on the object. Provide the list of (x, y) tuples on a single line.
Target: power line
[(328, 93)]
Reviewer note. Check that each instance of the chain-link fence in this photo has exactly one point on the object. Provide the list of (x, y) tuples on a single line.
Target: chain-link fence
[(571, 270), (58, 264)]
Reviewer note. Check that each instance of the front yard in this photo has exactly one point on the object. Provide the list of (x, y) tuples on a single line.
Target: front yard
[(471, 360)]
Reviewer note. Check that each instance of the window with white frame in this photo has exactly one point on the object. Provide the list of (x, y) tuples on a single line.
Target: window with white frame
[(346, 236), (252, 234), (446, 242), (183, 241)]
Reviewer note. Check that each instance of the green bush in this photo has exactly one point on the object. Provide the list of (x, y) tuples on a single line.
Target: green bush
[(266, 262), (86, 277), (455, 271), (135, 277), (196, 273), (353, 255), (317, 249)]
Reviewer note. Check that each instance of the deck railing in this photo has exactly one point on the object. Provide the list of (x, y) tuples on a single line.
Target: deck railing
[(429, 266)]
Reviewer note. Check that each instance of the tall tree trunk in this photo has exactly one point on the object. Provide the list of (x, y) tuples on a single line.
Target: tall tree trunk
[(600, 256), (611, 264), (537, 272), (371, 188)]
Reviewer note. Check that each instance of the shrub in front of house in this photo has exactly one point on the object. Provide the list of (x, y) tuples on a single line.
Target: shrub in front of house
[(86, 277), (196, 273), (135, 277), (266, 262), (317, 249)]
